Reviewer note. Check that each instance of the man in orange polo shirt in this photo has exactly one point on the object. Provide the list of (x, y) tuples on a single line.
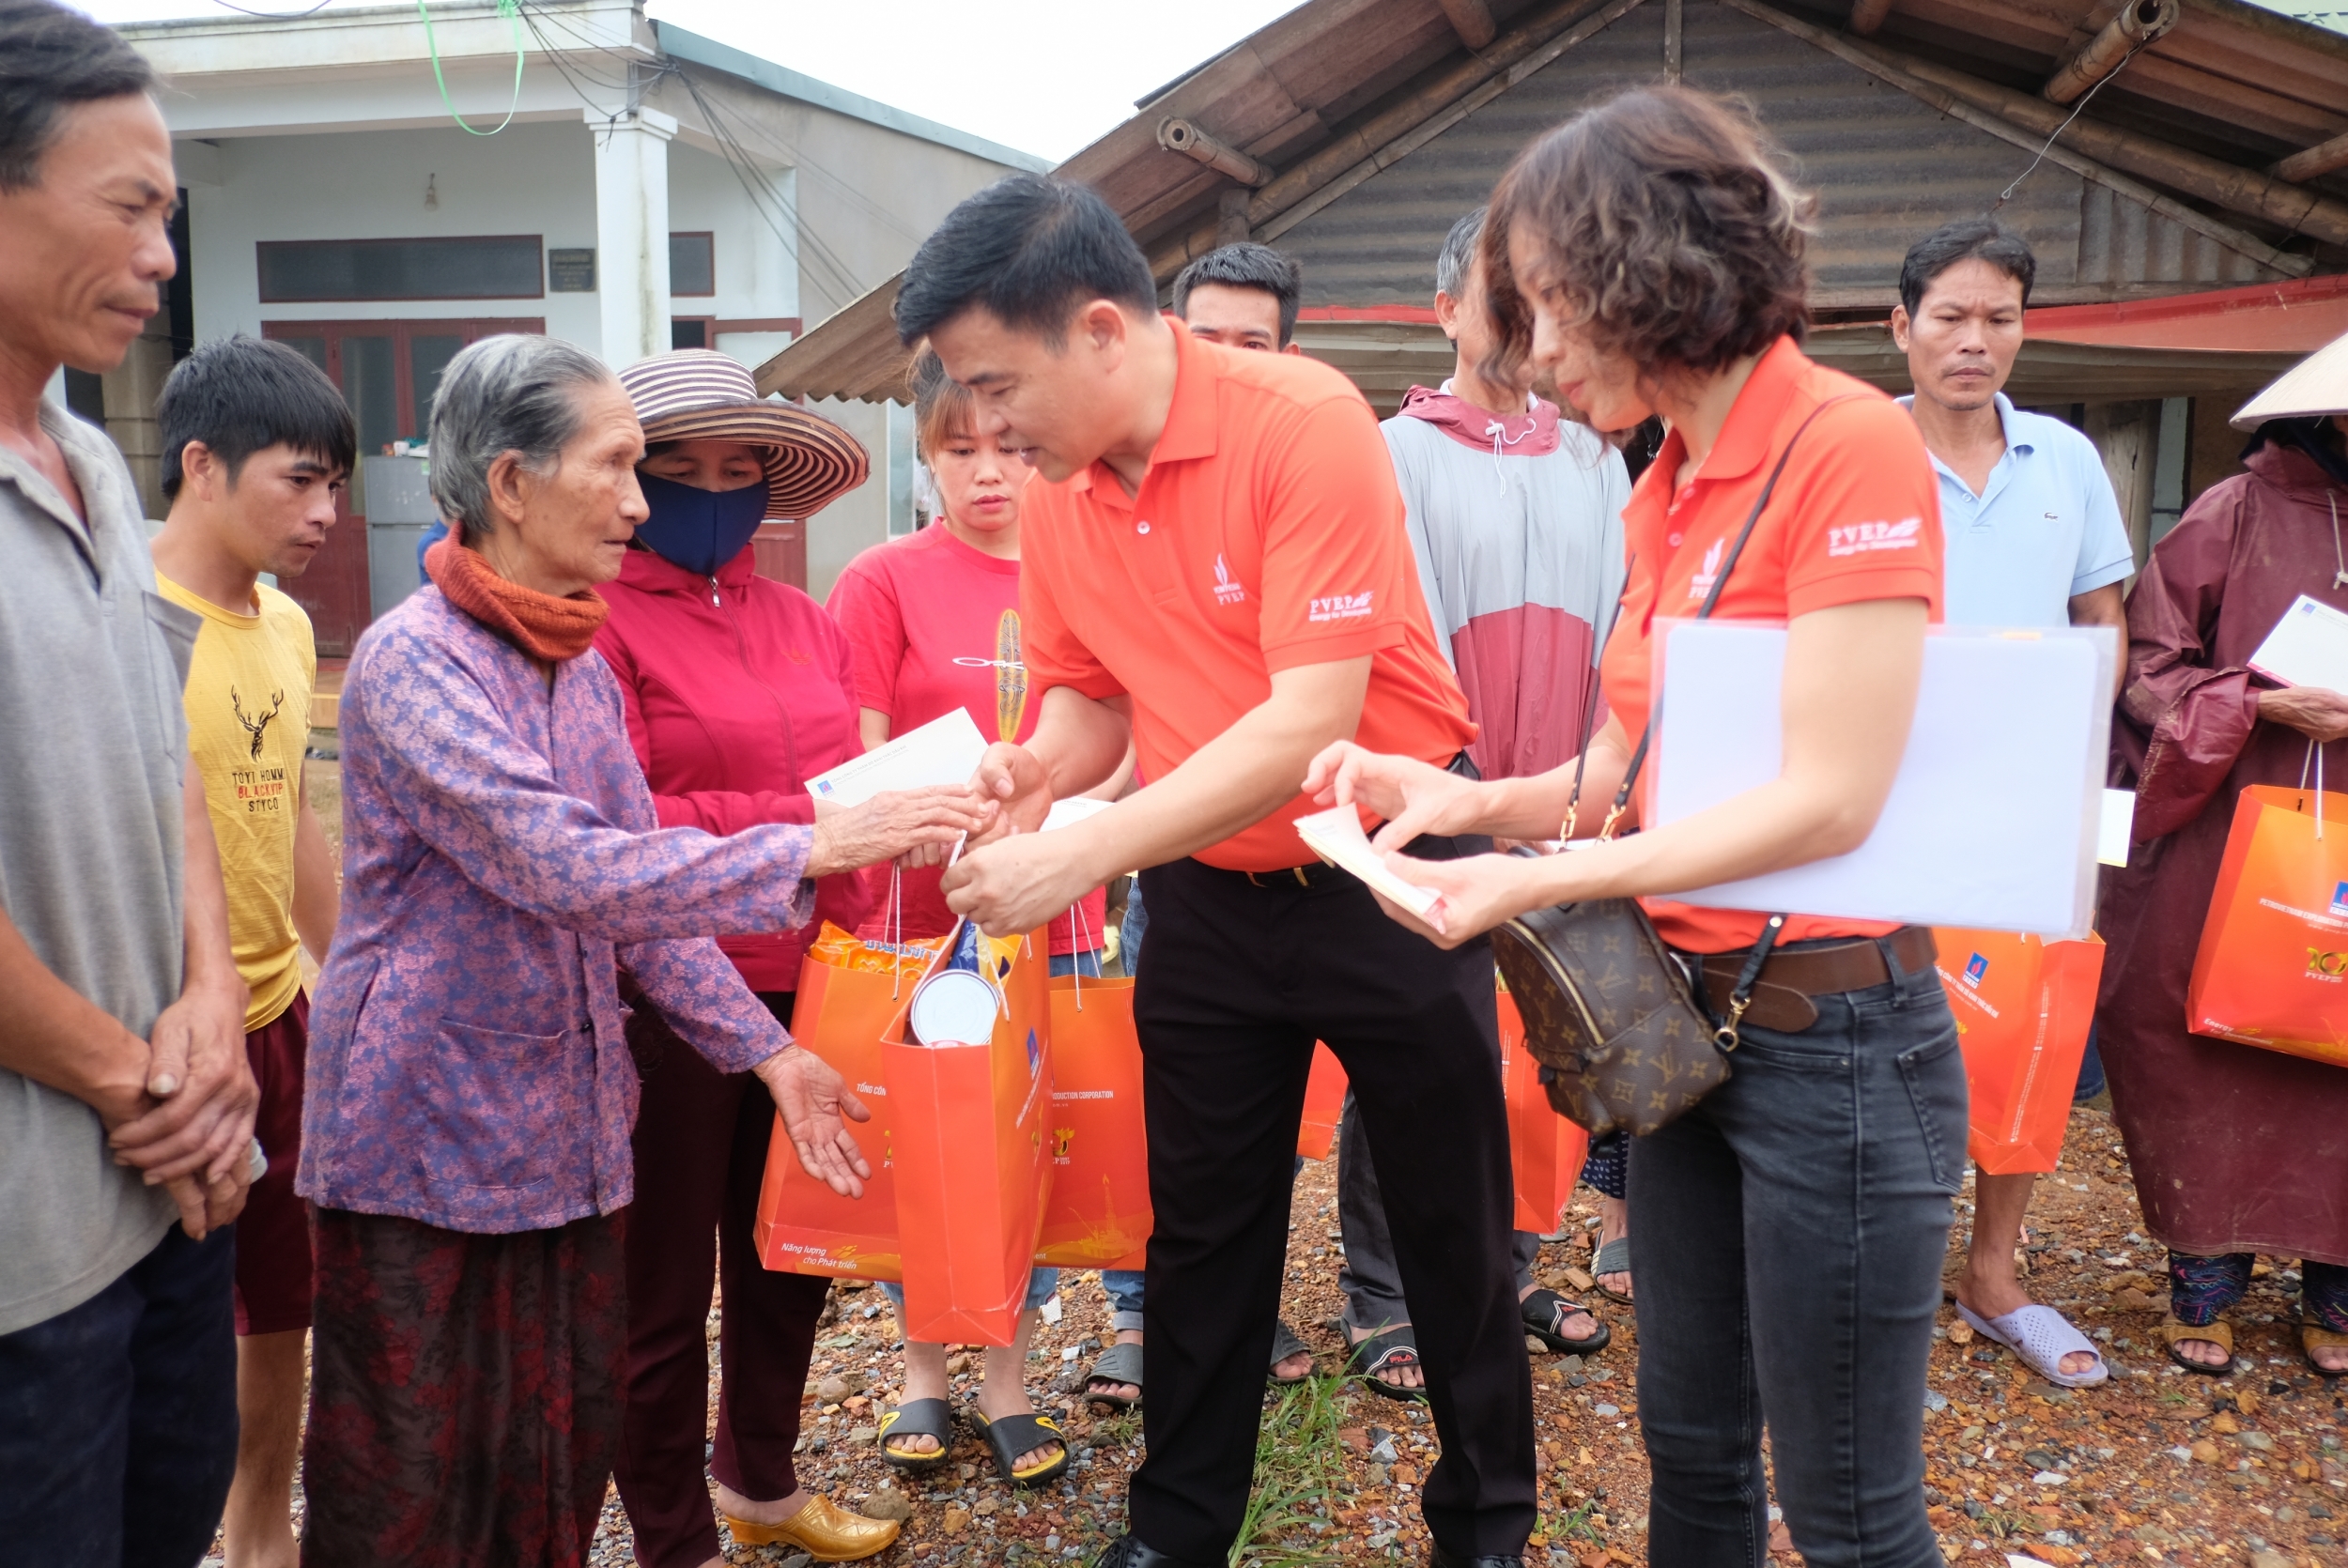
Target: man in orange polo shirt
[(1218, 568)]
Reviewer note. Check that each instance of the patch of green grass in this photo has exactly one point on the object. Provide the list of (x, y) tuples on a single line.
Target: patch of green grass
[(1561, 1528), (1298, 1478)]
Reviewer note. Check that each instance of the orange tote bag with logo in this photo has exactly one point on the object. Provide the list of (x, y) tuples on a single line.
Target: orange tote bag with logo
[(1546, 1150), (2023, 1009), (1099, 1213), (2272, 970), (968, 1132), (1324, 1101), (849, 991)]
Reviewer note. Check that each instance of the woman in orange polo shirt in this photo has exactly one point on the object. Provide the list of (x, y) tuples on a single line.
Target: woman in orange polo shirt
[(1786, 1233)]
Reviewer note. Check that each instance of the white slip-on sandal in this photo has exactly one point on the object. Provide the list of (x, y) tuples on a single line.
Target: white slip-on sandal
[(2042, 1337)]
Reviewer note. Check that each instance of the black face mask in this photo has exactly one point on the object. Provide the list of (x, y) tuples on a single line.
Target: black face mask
[(698, 529)]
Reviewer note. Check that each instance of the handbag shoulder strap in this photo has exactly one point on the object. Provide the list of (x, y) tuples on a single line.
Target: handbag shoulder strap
[(1728, 565)]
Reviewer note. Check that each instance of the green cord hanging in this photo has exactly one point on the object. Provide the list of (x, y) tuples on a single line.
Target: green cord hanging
[(512, 11)]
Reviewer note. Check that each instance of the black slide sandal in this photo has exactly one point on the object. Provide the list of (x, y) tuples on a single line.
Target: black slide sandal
[(1285, 1344), (1119, 1364), (918, 1417), (1013, 1436), (1387, 1349), (1545, 1312)]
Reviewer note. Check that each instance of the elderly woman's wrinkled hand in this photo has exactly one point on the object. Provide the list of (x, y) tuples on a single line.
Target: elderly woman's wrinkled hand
[(815, 1106), (896, 823)]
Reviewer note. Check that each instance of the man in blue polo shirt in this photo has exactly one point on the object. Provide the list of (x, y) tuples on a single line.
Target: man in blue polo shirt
[(2034, 539)]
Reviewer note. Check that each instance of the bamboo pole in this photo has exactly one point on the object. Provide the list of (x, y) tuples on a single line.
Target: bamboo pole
[(2321, 159), (1304, 189), (1176, 134), (1921, 81), (2249, 192), (1673, 40), (1868, 15), (1472, 20), (2138, 23)]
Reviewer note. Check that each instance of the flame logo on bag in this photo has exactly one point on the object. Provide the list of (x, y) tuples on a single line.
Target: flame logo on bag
[(2339, 900), (1976, 970), (1010, 678)]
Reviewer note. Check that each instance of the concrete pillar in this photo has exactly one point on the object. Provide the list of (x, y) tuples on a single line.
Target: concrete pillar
[(632, 233), (131, 391)]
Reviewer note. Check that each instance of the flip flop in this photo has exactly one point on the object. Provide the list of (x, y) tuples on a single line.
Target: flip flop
[(1283, 1344), (2042, 1337), (1612, 1258), (2217, 1331), (1388, 1351), (1118, 1364), (1013, 1435), (918, 1417), (1545, 1314)]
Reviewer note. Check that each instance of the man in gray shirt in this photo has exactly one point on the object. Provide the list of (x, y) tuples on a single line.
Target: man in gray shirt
[(126, 1104)]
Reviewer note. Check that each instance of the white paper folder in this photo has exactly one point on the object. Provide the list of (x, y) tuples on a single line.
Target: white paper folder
[(1992, 822)]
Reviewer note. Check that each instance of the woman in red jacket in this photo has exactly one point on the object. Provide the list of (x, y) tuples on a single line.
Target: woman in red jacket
[(738, 690), (934, 618)]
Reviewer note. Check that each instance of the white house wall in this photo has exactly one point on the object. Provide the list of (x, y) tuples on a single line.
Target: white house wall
[(526, 179), (370, 185)]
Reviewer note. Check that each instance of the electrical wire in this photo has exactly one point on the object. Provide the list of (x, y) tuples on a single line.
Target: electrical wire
[(2088, 97), (509, 9), (274, 16)]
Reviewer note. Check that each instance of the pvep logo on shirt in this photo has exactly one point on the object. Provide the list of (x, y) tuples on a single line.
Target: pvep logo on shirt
[(1226, 591), (1701, 584), (1860, 538), (1340, 606), (1977, 969), (2339, 900)]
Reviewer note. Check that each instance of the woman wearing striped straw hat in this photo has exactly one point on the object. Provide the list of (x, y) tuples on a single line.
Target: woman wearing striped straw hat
[(738, 690)]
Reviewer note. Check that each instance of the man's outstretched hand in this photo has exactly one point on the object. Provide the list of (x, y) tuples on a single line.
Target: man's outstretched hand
[(815, 1107), (1011, 776)]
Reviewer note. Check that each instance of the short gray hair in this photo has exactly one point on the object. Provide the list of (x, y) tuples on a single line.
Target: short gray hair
[(516, 394), (1458, 260)]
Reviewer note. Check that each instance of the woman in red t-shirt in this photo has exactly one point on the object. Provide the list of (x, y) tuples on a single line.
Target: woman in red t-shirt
[(933, 618), (1788, 1232)]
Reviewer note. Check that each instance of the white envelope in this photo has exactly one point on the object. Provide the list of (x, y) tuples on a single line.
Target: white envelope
[(946, 750), (2309, 647), (1337, 836), (1993, 820)]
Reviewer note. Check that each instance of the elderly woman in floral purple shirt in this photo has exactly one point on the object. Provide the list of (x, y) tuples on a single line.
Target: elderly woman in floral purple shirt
[(464, 1136)]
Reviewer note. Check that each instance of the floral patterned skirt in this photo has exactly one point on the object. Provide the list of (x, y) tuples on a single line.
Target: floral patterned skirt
[(465, 1392)]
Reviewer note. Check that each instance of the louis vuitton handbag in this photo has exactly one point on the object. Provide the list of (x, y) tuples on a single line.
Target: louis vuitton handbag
[(1608, 1009)]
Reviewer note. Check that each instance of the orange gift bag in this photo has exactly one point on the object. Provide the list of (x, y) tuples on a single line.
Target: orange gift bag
[(1099, 1212), (2023, 1009), (849, 991), (1545, 1149), (2272, 970), (1324, 1101), (972, 1164)]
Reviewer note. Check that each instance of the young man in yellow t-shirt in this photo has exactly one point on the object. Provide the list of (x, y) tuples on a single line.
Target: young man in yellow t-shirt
[(257, 444)]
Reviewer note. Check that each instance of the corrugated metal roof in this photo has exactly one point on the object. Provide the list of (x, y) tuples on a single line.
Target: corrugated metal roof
[(1317, 93)]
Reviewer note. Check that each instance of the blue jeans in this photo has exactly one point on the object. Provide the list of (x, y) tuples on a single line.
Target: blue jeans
[(1124, 1291), (1788, 1235), (119, 1416), (1130, 929), (1086, 963)]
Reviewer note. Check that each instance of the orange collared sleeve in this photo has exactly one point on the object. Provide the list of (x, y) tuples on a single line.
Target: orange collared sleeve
[(1339, 581), (1864, 515)]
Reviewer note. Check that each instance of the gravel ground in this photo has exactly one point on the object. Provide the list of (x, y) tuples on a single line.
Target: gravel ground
[(2157, 1466)]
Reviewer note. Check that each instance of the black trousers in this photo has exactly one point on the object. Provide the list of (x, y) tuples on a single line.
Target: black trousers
[(1244, 976)]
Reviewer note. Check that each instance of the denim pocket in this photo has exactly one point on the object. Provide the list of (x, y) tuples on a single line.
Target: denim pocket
[(495, 1107), (1935, 1073)]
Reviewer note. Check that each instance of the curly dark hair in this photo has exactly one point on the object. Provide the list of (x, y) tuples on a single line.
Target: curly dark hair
[(1670, 226)]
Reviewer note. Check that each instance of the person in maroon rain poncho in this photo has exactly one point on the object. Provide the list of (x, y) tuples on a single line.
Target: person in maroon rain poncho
[(2236, 1150)]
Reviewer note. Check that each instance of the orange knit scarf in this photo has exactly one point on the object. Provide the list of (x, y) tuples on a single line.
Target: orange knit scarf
[(540, 624)]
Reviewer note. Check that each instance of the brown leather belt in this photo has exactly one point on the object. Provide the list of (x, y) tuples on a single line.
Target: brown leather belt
[(1781, 996)]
